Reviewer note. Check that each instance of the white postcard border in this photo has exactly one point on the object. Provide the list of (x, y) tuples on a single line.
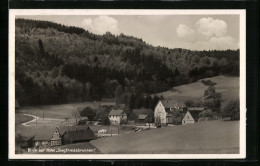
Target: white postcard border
[(11, 75)]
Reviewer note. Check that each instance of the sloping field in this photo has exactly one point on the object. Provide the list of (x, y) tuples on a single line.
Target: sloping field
[(21, 118), (61, 111), (226, 85), (213, 137)]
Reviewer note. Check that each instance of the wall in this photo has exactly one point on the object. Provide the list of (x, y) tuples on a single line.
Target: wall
[(114, 120), (188, 119), (159, 113)]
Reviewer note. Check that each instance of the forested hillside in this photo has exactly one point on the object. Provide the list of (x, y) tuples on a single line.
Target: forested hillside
[(59, 64)]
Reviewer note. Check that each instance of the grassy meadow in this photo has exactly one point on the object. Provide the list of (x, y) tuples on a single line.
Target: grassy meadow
[(212, 137), (226, 85)]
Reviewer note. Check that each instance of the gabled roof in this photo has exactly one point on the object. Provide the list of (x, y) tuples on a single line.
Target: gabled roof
[(80, 134), (63, 129), (195, 115), (136, 112), (38, 133), (116, 112), (142, 117), (172, 103)]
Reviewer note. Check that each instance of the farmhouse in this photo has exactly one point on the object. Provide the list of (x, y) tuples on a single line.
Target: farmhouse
[(141, 116), (165, 110), (48, 136), (108, 102), (117, 117), (191, 117)]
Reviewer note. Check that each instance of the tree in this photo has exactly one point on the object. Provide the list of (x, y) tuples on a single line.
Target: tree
[(232, 110), (76, 114), (211, 93), (176, 72), (85, 112), (189, 103), (42, 51)]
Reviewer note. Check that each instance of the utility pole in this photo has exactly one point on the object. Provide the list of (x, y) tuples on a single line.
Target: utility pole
[(36, 120)]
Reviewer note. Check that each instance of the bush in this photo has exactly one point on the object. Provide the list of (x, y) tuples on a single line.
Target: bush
[(232, 110)]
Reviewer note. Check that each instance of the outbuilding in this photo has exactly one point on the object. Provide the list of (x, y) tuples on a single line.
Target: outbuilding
[(190, 117), (117, 117)]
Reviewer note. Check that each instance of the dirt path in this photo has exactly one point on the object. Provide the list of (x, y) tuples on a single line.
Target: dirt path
[(26, 123)]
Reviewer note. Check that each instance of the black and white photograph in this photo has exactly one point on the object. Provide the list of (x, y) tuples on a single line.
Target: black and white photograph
[(127, 84)]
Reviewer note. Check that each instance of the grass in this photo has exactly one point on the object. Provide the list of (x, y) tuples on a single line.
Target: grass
[(226, 85), (21, 118), (61, 111), (213, 137)]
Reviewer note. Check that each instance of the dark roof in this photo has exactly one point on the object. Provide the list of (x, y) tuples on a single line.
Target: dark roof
[(108, 102), (17, 105), (196, 108), (39, 133), (63, 129), (116, 112), (142, 117), (36, 132), (136, 112), (80, 134), (172, 103), (195, 115)]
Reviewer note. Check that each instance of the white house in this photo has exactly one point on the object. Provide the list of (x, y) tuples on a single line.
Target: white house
[(190, 117), (116, 117), (163, 112)]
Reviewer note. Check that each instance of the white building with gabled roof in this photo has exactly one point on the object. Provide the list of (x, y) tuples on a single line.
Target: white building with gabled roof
[(163, 112)]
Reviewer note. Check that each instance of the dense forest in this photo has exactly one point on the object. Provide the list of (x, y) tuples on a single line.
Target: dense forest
[(60, 64)]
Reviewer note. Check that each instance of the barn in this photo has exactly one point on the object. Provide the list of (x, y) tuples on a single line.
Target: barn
[(78, 135)]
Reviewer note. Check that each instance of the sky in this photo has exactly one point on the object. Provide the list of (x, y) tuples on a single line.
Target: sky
[(195, 32)]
